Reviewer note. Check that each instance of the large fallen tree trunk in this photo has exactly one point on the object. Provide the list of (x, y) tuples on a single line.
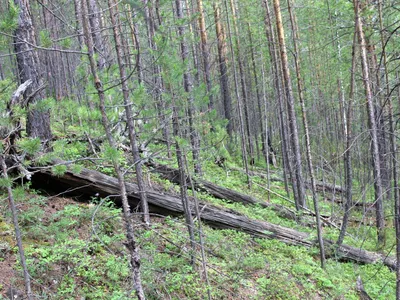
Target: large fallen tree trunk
[(217, 191), (220, 192), (93, 183)]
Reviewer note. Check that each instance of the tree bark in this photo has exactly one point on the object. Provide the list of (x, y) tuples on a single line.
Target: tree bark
[(242, 124), (131, 240), (245, 99), (269, 31), (223, 70), (188, 85), (157, 77), (18, 235), (307, 135), (393, 150), (38, 123), (113, 7), (380, 219), (205, 54), (347, 155), (300, 200)]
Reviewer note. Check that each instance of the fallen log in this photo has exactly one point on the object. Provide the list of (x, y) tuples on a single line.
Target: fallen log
[(320, 185), (219, 192), (92, 183)]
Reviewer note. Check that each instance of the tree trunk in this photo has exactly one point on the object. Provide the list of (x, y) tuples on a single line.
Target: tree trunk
[(269, 31), (347, 155), (295, 36), (157, 78), (223, 70), (188, 85), (393, 150), (131, 240), (239, 103), (300, 200), (243, 85), (18, 235), (205, 54), (113, 7), (38, 123), (380, 219), (183, 178), (96, 32)]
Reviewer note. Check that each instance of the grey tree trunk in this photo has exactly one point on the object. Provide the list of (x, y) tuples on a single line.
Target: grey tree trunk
[(18, 235), (294, 136), (96, 32), (113, 8), (242, 125), (295, 36), (270, 35), (393, 150), (205, 53), (223, 70), (29, 68), (157, 78), (188, 85), (347, 155), (380, 219), (131, 240)]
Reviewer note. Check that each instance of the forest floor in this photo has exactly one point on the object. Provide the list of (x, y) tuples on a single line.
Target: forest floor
[(75, 251)]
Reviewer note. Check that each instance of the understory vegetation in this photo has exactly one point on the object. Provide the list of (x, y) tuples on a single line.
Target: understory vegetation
[(76, 249)]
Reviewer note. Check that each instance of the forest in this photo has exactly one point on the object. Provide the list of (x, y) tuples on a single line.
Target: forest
[(190, 149)]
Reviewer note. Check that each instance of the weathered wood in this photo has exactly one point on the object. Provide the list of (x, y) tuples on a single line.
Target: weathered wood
[(92, 183), (220, 192), (320, 185)]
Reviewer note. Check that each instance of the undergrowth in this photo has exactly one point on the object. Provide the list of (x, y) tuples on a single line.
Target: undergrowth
[(77, 250)]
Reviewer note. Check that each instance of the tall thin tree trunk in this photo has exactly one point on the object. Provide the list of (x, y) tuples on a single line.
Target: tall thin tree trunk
[(262, 128), (130, 234), (300, 200), (239, 103), (18, 235), (136, 43), (269, 31), (113, 8), (188, 85), (223, 70), (96, 32), (157, 78), (348, 150), (205, 53), (243, 85), (296, 39), (183, 179), (380, 219), (393, 150)]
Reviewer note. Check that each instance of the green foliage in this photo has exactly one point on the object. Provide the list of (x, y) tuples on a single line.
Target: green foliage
[(111, 154), (66, 43), (44, 38), (68, 150), (9, 19), (59, 170), (44, 104), (29, 145)]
